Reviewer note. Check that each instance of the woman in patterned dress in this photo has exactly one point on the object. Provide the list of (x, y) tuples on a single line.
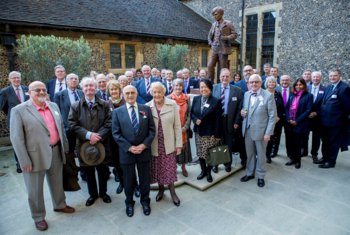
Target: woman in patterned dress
[(167, 142), (183, 101)]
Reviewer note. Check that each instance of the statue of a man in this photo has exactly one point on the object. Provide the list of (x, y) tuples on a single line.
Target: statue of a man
[(221, 35)]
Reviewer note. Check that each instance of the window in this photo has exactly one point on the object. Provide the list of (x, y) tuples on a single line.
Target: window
[(122, 55), (268, 38), (204, 58), (116, 56), (251, 41), (130, 56)]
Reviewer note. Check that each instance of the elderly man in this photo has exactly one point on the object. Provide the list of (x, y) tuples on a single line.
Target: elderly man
[(267, 68), (143, 86), (274, 73), (37, 136), (168, 83), (90, 121), (189, 83), (102, 86), (11, 96), (334, 112), (110, 76), (307, 77), (243, 84), (179, 75), (260, 114), (163, 74), (134, 130), (221, 36), (129, 75), (202, 74), (231, 100), (58, 83)]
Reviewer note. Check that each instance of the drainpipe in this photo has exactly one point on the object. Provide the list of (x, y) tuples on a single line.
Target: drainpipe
[(241, 51)]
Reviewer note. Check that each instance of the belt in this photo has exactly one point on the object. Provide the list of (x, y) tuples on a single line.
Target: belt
[(54, 145)]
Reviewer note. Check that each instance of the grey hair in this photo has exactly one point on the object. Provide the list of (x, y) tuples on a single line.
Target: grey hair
[(178, 81), (270, 78), (87, 80), (156, 85), (14, 73), (69, 76)]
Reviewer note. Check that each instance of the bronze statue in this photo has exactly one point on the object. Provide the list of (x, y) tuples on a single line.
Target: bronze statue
[(221, 35)]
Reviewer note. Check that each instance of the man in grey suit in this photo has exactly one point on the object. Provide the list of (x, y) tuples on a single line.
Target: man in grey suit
[(11, 96), (38, 138), (260, 115), (133, 129), (231, 98)]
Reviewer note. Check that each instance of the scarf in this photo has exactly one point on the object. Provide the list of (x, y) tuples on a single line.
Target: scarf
[(294, 106), (181, 101)]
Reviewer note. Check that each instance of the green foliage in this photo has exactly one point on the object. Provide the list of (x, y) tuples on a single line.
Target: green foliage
[(171, 57), (38, 55)]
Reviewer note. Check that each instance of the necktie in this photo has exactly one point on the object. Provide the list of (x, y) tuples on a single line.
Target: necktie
[(135, 124), (147, 85), (90, 105), (60, 87), (170, 87), (104, 96), (333, 87), (76, 97), (18, 95), (222, 98), (284, 95), (254, 94), (185, 83), (314, 92)]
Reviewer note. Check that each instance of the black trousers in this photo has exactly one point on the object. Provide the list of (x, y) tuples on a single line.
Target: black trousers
[(103, 175), (274, 143), (228, 138), (316, 137), (129, 173), (72, 141), (331, 142), (288, 137), (296, 144)]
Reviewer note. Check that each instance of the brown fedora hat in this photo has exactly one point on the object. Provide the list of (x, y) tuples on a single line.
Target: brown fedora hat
[(92, 155)]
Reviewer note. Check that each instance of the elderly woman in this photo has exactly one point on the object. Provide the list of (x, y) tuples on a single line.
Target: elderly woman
[(123, 81), (114, 91), (298, 109), (206, 115), (167, 142), (184, 103), (273, 144)]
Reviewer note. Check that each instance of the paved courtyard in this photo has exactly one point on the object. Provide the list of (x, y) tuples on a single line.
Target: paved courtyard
[(305, 201)]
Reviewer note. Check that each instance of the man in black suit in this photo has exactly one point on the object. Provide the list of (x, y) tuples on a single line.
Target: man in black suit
[(334, 111), (102, 86), (231, 99), (11, 96), (58, 83), (134, 130), (189, 83)]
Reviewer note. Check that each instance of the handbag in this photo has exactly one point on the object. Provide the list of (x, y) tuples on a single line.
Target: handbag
[(218, 155)]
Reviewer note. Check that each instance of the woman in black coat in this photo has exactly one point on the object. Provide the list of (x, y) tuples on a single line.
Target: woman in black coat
[(298, 109)]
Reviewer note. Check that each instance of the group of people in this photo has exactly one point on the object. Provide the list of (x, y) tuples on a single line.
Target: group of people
[(141, 127)]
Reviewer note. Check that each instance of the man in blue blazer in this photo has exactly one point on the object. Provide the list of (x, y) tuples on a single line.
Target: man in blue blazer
[(10, 97), (133, 129), (334, 111), (188, 82), (243, 84), (58, 83), (102, 87), (143, 86)]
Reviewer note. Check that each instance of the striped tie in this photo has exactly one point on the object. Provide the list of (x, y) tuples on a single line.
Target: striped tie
[(18, 95), (60, 87), (170, 87), (222, 98), (91, 105), (135, 124), (104, 96), (76, 97), (148, 85)]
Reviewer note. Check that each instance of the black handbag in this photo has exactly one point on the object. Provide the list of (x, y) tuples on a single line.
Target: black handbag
[(218, 155)]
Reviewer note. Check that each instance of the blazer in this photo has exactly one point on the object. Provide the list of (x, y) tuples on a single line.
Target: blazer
[(234, 106), (99, 94), (243, 85), (171, 125), (317, 103), (50, 86), (62, 100), (211, 123), (304, 109), (30, 136), (335, 106), (9, 99), (142, 96), (261, 117), (227, 37), (192, 84), (125, 137)]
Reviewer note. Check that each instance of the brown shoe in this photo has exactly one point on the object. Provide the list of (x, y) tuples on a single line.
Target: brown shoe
[(66, 209), (41, 225)]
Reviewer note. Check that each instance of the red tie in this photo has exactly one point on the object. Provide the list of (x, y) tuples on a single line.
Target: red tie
[(18, 95)]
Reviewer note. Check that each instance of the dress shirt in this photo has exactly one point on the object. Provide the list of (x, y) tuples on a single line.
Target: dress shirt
[(72, 96), (315, 90), (21, 93), (57, 87), (254, 98), (128, 106)]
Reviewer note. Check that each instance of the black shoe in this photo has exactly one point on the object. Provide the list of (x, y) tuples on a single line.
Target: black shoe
[(215, 169), (159, 196), (201, 175), (228, 168), (90, 201), (247, 178), (209, 178), (268, 160), (129, 211), (106, 198), (319, 161), (273, 155), (291, 162), (297, 165), (244, 164), (261, 183), (177, 203), (146, 209), (120, 189), (18, 170), (326, 165), (116, 177), (137, 191)]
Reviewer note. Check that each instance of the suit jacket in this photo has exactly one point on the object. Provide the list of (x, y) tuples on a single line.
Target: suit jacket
[(171, 125), (304, 109), (261, 117), (62, 100), (335, 106), (9, 99), (227, 37), (123, 134), (99, 94), (234, 106), (211, 123), (142, 96), (30, 136), (317, 103), (50, 86), (243, 85)]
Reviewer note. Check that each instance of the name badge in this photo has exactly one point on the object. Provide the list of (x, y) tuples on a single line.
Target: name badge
[(320, 92), (261, 98), (56, 113), (234, 98), (206, 106), (334, 96), (191, 87)]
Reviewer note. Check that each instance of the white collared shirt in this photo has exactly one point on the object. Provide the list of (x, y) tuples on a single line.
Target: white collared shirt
[(136, 108), (57, 87)]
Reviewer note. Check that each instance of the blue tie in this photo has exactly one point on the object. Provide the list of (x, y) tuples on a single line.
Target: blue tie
[(76, 97), (134, 121)]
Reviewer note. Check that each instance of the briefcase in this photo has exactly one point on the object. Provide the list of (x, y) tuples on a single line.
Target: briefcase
[(218, 155)]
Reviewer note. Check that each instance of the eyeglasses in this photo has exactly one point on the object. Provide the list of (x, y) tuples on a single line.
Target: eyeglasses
[(38, 90), (254, 82), (247, 70)]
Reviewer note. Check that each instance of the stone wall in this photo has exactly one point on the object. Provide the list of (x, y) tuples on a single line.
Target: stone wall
[(4, 71)]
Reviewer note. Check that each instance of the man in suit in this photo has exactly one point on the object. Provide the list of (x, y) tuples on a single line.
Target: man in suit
[(221, 36), (37, 136), (267, 68), (189, 83), (274, 73), (307, 76), (102, 86), (11, 96), (231, 99), (168, 83), (143, 86), (334, 111), (134, 130), (243, 84), (317, 90), (260, 115), (58, 83)]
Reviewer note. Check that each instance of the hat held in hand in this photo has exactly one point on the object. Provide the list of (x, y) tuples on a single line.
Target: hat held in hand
[(92, 155)]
